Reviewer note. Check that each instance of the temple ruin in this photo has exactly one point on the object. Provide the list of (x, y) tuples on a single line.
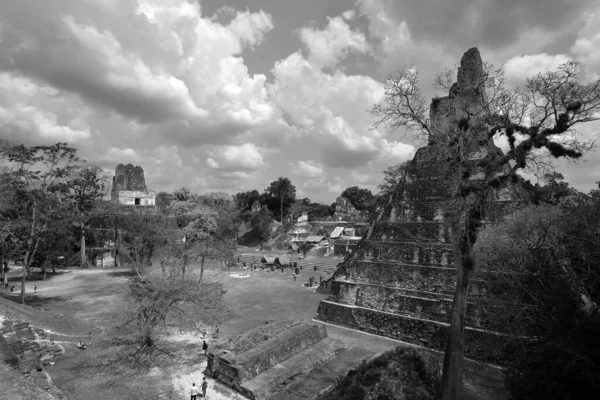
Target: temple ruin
[(262, 360), (345, 211), (129, 187), (400, 280)]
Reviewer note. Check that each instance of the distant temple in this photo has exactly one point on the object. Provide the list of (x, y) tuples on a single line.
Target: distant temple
[(129, 187), (345, 211)]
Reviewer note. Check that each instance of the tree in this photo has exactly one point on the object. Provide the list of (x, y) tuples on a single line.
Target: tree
[(546, 284), (163, 200), (283, 190), (261, 223), (197, 224), (362, 199), (543, 116), (244, 200), (162, 298), (83, 186), (36, 172)]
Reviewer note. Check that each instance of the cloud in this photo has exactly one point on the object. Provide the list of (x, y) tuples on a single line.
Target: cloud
[(327, 47), (586, 48), (160, 63), (335, 116), (486, 23), (309, 169), (120, 156), (349, 15), (521, 67), (244, 158), (251, 28), (29, 112)]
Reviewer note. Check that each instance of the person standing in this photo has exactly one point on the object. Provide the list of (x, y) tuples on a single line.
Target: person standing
[(193, 392), (205, 347), (204, 386)]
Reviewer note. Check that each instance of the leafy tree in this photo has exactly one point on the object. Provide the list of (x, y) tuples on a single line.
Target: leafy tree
[(163, 200), (544, 114), (283, 190), (183, 194), (261, 223), (37, 172), (553, 190), (546, 285), (83, 186), (244, 200), (197, 225), (162, 298), (362, 199)]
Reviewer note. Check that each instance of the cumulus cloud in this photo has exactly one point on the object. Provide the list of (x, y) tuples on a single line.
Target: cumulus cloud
[(115, 155), (309, 169), (161, 84), (29, 112), (158, 62), (586, 48), (327, 47), (521, 67), (244, 158)]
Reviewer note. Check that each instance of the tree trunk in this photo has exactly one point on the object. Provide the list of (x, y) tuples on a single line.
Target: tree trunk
[(201, 276), (82, 228), (117, 243), (5, 269), (2, 268), (281, 203), (28, 254), (44, 268), (454, 357), (185, 257)]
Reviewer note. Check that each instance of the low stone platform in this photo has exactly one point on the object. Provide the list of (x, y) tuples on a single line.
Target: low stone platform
[(259, 362)]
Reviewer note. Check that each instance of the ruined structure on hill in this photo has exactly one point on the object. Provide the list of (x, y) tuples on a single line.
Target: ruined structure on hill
[(345, 211), (400, 280), (129, 187)]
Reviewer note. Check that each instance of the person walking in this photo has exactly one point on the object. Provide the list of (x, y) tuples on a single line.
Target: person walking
[(205, 347), (193, 392), (204, 386)]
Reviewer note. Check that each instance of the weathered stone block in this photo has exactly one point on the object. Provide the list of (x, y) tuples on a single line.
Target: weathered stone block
[(261, 349)]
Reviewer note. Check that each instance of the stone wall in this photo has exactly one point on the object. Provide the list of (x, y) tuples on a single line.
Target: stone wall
[(259, 350), (128, 197), (479, 344)]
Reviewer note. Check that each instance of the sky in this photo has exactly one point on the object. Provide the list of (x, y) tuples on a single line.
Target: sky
[(229, 95)]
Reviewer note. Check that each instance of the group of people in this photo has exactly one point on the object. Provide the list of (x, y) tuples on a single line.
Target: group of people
[(194, 392), (12, 287), (7, 286)]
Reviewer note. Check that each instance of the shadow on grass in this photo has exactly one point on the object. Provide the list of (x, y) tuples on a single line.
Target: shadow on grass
[(38, 302), (119, 274)]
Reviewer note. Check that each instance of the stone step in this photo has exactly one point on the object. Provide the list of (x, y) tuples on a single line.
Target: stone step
[(322, 265), (415, 303), (481, 344), (324, 376), (408, 252), (274, 380)]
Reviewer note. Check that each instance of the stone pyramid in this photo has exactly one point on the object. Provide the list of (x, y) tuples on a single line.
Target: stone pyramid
[(400, 280)]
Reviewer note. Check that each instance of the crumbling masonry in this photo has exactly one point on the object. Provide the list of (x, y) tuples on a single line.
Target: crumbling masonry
[(400, 281)]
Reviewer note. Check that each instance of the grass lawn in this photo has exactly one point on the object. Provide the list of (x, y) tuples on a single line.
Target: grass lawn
[(77, 303)]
